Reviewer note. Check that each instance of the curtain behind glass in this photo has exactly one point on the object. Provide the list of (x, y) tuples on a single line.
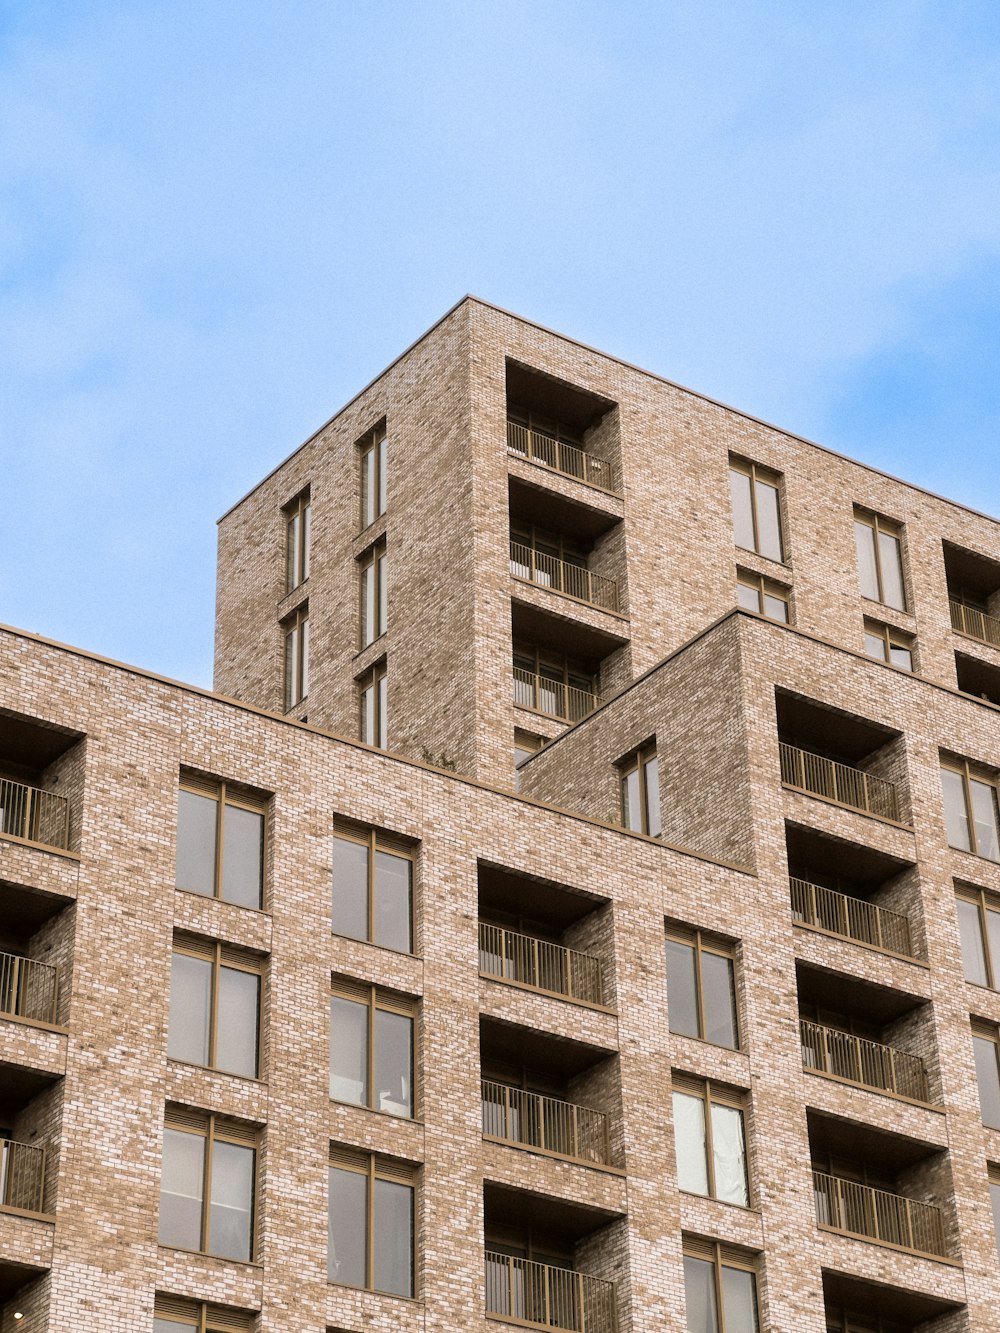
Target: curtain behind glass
[(730, 1155), (182, 1185), (231, 1210), (350, 889), (699, 1296), (190, 1009), (690, 1143)]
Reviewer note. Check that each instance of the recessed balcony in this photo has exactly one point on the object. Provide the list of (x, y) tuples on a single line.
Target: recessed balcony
[(551, 697), (539, 964), (563, 576), (22, 1177), (541, 446), (849, 918), (869, 1064), (974, 623), (819, 775), (542, 1295), (530, 1120), (28, 988), (973, 593), (33, 814), (874, 1214), (36, 757)]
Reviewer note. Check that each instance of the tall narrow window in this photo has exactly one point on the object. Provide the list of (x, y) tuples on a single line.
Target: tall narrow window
[(296, 631), (371, 1049), (710, 1142), (640, 788), (374, 594), (207, 1185), (880, 559), (720, 1288), (220, 843), (701, 988), (979, 930), (373, 888), (373, 694), (297, 540), (995, 1202), (172, 1314), (756, 509), (374, 476), (986, 1045), (371, 1223), (971, 808), (762, 596), (890, 645), (214, 1007)]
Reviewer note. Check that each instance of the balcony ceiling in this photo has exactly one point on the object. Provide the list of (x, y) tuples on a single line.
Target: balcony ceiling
[(860, 866), (531, 898), (550, 397), (844, 994), (875, 1298), (555, 627), (864, 1143), (505, 1207), (544, 1052), (970, 571), (545, 508), (30, 744), (814, 725), (13, 1277)]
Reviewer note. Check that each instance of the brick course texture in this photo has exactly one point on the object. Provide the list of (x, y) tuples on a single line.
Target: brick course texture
[(540, 854)]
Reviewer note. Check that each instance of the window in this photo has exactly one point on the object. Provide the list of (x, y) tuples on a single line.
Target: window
[(971, 813), (640, 788), (172, 1314), (701, 988), (525, 745), (848, 1321), (371, 1049), (880, 559), (720, 1289), (374, 594), (373, 692), (214, 1007), (756, 509), (297, 540), (220, 843), (762, 596), (374, 476), (886, 644), (979, 930), (207, 1185), (371, 1223), (995, 1202), (986, 1045), (710, 1142), (373, 888), (296, 631)]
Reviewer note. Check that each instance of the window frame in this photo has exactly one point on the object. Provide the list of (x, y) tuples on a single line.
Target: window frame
[(704, 942), (766, 476), (990, 1032), (375, 559), (221, 792), (200, 1316), (721, 1256), (374, 682), (890, 637), (638, 762), (375, 999), (983, 901), (374, 500), (377, 840), (221, 955), (376, 1166), (213, 1128), (970, 773), (715, 1094), (295, 632), (993, 1183), (764, 587), (878, 525), (298, 535)]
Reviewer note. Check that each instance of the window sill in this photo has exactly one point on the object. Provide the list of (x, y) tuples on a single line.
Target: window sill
[(255, 1264), (254, 1081)]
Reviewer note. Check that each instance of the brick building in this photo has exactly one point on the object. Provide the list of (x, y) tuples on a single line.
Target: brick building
[(575, 909)]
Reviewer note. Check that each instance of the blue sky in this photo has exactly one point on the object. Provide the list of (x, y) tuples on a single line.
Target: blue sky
[(217, 222)]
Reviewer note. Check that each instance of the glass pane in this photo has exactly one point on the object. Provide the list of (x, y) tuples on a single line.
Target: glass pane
[(368, 604), (739, 490), (988, 1078), (231, 1212), (699, 1296), (181, 1189), (350, 889), (689, 1139), (652, 775), (875, 646), (306, 540), (242, 856), (719, 999), (890, 559), (971, 935), (348, 1051), (383, 593), (347, 1247), (294, 537), (739, 1300), (291, 668), (304, 659), (682, 988), (236, 1039), (984, 812), (747, 597), (368, 714), (775, 608), (173, 1325), (901, 657), (382, 712), (995, 1201), (190, 1009), (393, 1238), (196, 820), (383, 474), (369, 487), (768, 521), (864, 541), (729, 1149), (631, 808), (955, 814), (392, 902), (993, 941), (393, 1063)]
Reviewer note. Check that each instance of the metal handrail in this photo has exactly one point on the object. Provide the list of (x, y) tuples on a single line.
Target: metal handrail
[(560, 457), (892, 1219), (850, 918), (522, 1291), (528, 1118), (975, 623), (853, 787), (28, 988), (539, 964), (33, 814), (858, 1060), (552, 697), (22, 1175), (550, 571)]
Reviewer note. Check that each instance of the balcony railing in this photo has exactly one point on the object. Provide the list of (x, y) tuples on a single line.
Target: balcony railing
[(870, 1063), (976, 624), (28, 989), (527, 1118), (543, 1296), (861, 1210), (560, 457), (853, 787), (552, 697), (22, 1175), (35, 815), (539, 964), (574, 580), (850, 918)]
